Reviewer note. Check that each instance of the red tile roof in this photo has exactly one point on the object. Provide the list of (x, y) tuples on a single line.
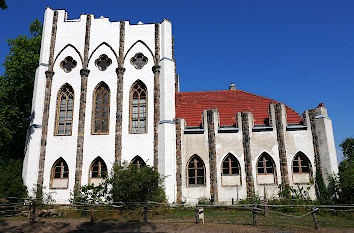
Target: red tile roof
[(190, 105)]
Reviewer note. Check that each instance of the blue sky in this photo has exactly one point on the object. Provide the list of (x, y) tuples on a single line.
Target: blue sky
[(297, 52)]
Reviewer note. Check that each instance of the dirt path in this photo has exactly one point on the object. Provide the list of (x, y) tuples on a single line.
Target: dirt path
[(79, 225)]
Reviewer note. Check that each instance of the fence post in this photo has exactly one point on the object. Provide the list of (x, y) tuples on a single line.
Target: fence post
[(32, 211), (145, 213), (315, 218), (254, 211), (266, 213), (196, 214), (92, 215)]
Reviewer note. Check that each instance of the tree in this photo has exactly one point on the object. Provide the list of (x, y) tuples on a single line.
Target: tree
[(11, 183), (346, 172), (16, 87), (3, 5), (131, 183)]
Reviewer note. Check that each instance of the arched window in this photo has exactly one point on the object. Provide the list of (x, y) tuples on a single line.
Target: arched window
[(65, 108), (265, 165), (196, 171), (100, 108), (301, 163), (98, 171), (266, 170), (230, 165), (138, 108), (138, 161), (60, 174)]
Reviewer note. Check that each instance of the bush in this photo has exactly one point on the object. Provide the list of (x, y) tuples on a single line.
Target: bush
[(131, 183), (90, 194)]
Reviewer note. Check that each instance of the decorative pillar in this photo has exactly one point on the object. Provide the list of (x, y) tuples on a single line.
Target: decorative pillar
[(84, 72), (246, 118), (212, 156), (280, 119), (178, 159), (48, 90), (119, 114), (156, 71)]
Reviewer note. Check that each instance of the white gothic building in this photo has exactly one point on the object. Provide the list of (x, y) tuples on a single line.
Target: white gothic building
[(108, 92)]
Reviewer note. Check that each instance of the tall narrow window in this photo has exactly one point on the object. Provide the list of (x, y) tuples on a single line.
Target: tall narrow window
[(138, 161), (196, 171), (266, 170), (60, 174), (138, 109), (65, 108), (101, 109)]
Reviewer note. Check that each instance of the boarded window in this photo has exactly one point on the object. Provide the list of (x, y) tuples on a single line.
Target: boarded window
[(59, 175)]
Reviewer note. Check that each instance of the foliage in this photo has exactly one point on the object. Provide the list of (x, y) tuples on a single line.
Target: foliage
[(346, 172), (42, 197), (16, 87), (11, 183), (90, 194), (321, 188), (133, 184), (3, 5)]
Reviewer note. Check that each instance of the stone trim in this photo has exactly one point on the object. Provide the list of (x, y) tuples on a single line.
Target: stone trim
[(281, 144), (212, 156), (156, 71), (247, 154), (119, 113), (316, 150), (179, 159), (82, 108), (48, 90)]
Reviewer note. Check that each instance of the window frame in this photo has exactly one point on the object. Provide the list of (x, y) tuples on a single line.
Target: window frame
[(195, 158), (229, 157), (299, 159), (68, 87), (94, 105), (138, 159), (264, 156), (63, 164), (142, 85)]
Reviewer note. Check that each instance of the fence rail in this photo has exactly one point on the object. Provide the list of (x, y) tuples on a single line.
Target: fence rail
[(33, 209)]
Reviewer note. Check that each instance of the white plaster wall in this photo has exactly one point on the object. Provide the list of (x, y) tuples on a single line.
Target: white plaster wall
[(230, 143), (195, 144), (100, 145), (33, 140), (138, 144), (166, 128), (63, 146)]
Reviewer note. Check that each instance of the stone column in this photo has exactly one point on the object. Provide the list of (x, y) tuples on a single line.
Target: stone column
[(119, 115), (179, 159), (156, 71), (212, 156), (280, 123), (84, 72), (48, 90), (246, 131)]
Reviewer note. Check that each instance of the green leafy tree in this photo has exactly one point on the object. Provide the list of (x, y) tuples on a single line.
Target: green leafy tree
[(133, 184), (11, 183), (91, 194), (3, 5), (346, 172), (16, 88)]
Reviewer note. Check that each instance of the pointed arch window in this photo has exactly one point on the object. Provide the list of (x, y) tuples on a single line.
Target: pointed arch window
[(230, 165), (266, 170), (301, 164), (138, 108), (196, 171), (65, 108), (101, 109), (59, 175), (138, 161), (98, 171)]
